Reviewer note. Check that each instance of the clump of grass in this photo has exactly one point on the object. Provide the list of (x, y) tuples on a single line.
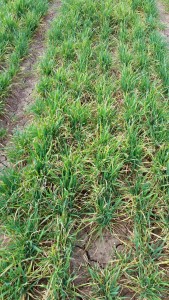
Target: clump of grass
[(166, 4), (2, 133), (97, 152)]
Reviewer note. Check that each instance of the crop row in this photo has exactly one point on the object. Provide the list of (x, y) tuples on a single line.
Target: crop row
[(18, 21)]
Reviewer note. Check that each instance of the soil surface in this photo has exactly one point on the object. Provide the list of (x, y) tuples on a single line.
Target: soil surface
[(164, 17), (98, 250), (23, 90)]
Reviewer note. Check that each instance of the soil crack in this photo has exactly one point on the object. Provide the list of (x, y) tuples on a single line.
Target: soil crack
[(87, 254)]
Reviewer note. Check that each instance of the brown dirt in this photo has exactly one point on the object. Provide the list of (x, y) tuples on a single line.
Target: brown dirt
[(23, 88), (97, 250), (164, 17), (4, 240)]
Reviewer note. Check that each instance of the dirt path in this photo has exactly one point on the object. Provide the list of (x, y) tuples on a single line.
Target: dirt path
[(164, 17), (23, 88)]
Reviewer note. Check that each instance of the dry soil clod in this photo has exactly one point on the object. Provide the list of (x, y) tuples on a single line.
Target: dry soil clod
[(96, 251)]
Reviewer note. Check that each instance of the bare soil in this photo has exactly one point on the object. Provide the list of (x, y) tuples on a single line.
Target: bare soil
[(98, 250), (23, 89), (164, 17)]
